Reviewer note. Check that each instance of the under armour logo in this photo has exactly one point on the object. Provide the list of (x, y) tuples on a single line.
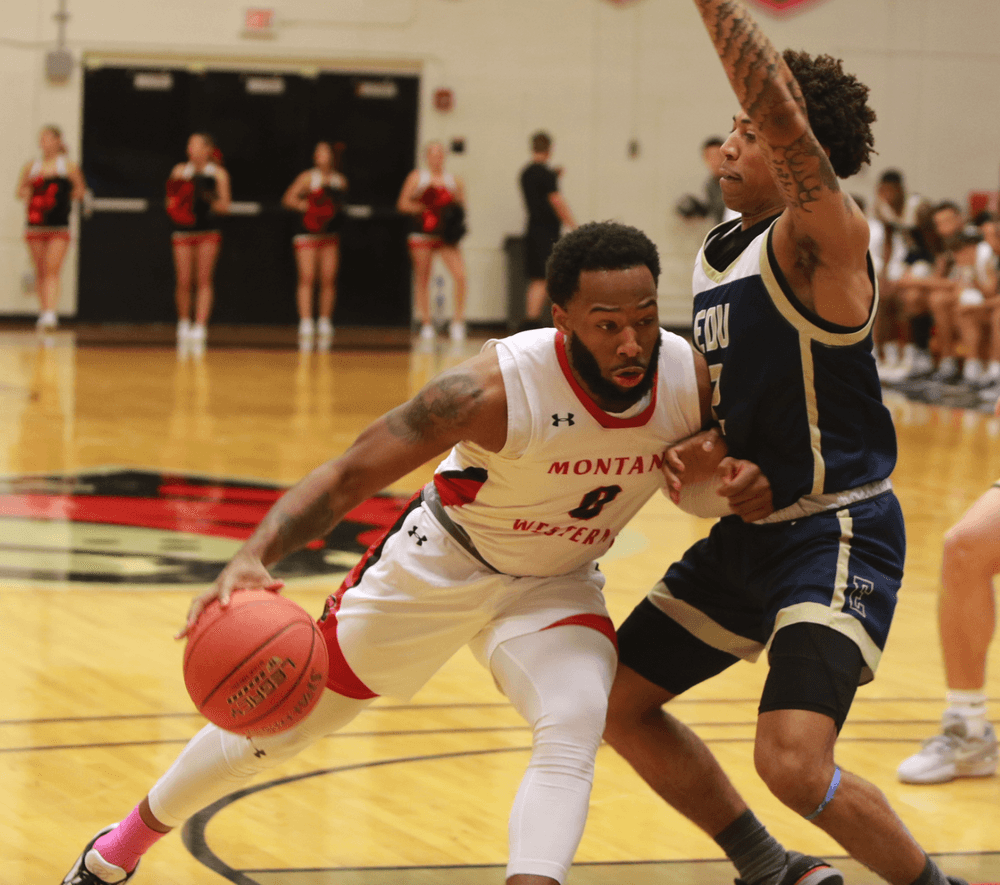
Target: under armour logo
[(556, 420), (415, 533), (855, 597), (258, 753)]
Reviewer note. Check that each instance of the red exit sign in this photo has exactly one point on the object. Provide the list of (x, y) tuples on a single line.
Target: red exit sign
[(259, 21)]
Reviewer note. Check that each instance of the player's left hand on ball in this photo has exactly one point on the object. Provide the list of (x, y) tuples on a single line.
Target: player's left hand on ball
[(692, 460), (242, 573), (746, 488)]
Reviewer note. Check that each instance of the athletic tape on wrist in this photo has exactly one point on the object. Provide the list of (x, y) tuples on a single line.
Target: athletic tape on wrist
[(829, 794)]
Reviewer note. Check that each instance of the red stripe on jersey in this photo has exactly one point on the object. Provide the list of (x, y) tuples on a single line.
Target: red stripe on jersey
[(602, 417), (457, 490), (600, 623)]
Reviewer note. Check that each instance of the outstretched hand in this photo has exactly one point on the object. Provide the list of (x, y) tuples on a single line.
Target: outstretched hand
[(243, 573), (746, 488)]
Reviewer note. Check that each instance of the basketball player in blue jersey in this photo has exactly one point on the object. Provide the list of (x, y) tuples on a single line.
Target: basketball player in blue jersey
[(785, 298), (555, 439)]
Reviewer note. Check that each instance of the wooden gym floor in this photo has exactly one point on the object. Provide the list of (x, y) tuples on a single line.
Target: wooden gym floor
[(128, 474)]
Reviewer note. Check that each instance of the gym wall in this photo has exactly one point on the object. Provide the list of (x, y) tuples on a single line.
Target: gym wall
[(599, 76)]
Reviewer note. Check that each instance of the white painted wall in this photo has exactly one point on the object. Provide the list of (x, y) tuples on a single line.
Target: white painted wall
[(593, 74)]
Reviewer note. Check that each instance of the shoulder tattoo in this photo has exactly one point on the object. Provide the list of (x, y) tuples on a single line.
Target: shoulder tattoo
[(449, 400)]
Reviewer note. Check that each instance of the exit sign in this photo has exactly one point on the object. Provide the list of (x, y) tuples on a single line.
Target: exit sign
[(259, 21)]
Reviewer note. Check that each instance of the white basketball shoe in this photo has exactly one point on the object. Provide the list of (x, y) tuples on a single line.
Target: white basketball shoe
[(952, 753)]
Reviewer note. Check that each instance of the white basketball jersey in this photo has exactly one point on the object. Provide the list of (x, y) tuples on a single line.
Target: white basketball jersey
[(570, 475)]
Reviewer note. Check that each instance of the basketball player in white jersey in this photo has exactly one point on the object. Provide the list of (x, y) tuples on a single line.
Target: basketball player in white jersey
[(556, 438), (784, 305)]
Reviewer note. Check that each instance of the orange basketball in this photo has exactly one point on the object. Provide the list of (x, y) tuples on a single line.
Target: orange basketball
[(257, 666)]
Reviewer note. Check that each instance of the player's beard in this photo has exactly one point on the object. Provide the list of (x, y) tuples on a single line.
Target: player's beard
[(612, 397)]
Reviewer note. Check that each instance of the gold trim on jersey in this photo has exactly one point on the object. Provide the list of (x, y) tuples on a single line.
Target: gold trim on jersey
[(809, 332), (795, 317), (716, 276), (701, 626), (833, 615)]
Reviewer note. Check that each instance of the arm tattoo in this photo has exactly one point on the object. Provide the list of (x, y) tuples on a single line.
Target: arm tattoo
[(754, 66), (451, 399), (803, 172), (770, 95)]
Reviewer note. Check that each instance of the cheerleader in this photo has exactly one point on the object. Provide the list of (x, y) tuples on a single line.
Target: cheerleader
[(48, 186), (197, 194), (436, 200), (318, 196)]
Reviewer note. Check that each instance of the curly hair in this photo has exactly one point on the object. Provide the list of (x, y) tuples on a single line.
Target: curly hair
[(599, 245), (838, 109)]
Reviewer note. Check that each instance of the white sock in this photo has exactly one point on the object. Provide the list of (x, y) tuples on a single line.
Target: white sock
[(969, 705), (972, 370)]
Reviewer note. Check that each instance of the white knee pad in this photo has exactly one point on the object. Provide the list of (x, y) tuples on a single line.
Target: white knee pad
[(559, 681), (216, 762)]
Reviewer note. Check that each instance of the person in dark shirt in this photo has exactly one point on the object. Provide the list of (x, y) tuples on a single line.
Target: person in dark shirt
[(548, 213), (786, 291)]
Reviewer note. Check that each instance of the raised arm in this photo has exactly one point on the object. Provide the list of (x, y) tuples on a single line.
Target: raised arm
[(464, 403), (821, 239)]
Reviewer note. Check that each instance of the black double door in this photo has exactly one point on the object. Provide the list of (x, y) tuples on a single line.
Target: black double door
[(136, 124)]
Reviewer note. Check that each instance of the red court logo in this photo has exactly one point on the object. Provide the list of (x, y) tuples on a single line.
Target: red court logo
[(142, 527)]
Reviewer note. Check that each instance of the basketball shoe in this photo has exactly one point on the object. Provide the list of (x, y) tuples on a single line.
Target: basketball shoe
[(92, 869), (950, 754), (800, 869)]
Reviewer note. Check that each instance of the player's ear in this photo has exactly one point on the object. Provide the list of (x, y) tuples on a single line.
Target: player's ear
[(560, 319)]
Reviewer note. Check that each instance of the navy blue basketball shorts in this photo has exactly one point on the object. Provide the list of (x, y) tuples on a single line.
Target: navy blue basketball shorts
[(832, 575)]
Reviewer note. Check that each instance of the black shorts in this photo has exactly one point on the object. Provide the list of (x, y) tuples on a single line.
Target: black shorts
[(537, 248), (733, 591)]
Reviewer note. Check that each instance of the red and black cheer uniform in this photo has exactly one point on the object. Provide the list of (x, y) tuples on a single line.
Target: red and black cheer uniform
[(434, 198), (49, 205), (320, 223), (189, 204)]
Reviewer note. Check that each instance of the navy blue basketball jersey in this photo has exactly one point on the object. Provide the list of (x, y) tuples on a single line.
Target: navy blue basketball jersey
[(794, 393)]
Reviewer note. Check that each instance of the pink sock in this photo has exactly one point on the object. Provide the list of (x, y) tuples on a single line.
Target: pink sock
[(127, 842)]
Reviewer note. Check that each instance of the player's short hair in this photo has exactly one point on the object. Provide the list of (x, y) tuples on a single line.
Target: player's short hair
[(599, 245), (891, 176), (541, 142), (837, 104), (712, 141)]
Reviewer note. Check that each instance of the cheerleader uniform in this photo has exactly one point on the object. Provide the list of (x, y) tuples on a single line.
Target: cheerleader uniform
[(320, 224), (433, 198), (189, 205), (49, 205)]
